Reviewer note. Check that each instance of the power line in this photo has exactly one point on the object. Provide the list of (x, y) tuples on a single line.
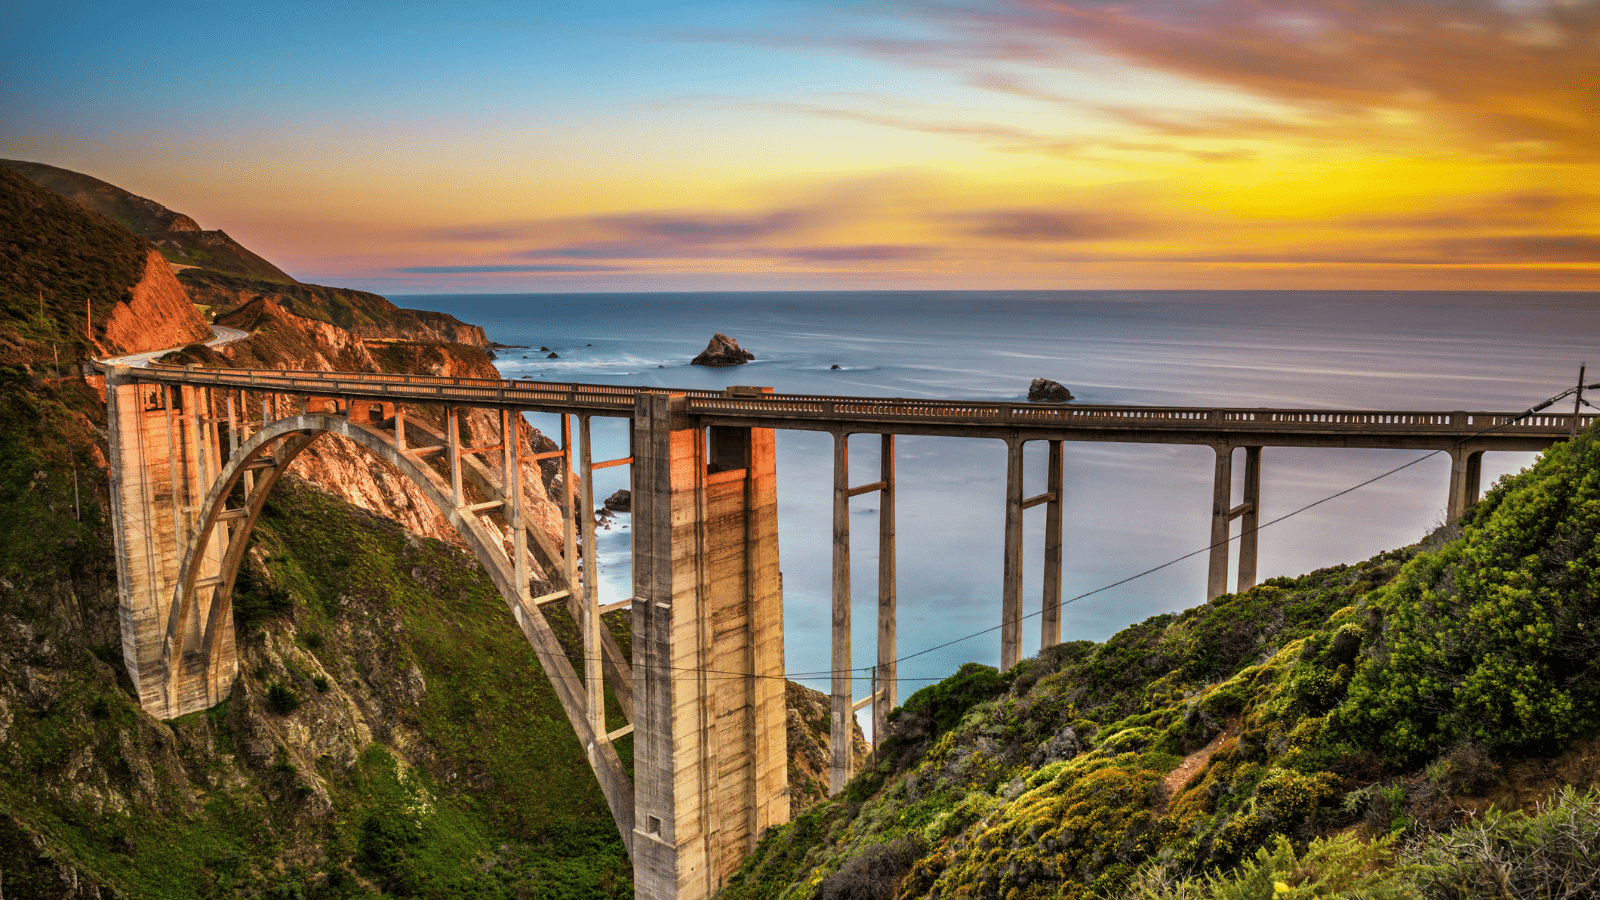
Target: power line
[(1525, 414)]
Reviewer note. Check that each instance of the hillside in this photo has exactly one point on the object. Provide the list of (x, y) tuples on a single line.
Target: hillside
[(366, 315), (1360, 715), (74, 284), (180, 239)]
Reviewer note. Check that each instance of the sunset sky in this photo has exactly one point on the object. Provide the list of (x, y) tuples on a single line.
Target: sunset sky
[(765, 144)]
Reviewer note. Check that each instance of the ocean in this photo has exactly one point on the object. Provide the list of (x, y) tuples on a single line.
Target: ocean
[(1129, 507)]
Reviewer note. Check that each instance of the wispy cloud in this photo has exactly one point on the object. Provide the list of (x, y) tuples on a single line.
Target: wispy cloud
[(499, 269)]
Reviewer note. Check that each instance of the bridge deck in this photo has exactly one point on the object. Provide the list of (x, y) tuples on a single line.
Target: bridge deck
[(1421, 429)]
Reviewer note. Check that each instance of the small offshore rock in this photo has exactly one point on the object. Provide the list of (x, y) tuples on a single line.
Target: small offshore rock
[(544, 349), (621, 501), (1043, 390), (834, 366), (553, 356), (722, 351)]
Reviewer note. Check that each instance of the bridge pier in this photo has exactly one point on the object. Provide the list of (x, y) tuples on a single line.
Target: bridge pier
[(162, 448), (1223, 512), (1011, 591), (710, 748), (1466, 473), (843, 706)]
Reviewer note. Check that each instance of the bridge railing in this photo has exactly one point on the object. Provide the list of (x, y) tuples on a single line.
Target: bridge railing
[(618, 400)]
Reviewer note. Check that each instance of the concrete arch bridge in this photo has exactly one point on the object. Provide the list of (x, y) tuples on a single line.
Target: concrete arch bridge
[(195, 453)]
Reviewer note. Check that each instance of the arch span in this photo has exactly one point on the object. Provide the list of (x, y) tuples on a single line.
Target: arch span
[(216, 549)]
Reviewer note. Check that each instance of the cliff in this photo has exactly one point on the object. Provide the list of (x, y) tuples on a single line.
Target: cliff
[(282, 340), (157, 313)]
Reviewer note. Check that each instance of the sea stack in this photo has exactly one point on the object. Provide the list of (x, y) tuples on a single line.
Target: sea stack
[(1043, 390), (722, 351)]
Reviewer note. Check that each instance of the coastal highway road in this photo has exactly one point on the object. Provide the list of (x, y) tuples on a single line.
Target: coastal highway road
[(224, 335)]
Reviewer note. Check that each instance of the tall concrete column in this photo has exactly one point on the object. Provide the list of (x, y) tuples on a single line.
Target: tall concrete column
[(1050, 614), (886, 696), (1250, 518), (1011, 589), (710, 755), (1221, 498), (840, 714), (154, 462)]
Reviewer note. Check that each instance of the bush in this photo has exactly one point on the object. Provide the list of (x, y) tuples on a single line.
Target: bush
[(1489, 640), (282, 698), (1550, 854), (874, 873)]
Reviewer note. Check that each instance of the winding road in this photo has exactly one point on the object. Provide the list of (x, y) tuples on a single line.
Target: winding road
[(224, 335)]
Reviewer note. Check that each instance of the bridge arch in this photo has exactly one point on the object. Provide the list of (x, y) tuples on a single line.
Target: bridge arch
[(267, 454)]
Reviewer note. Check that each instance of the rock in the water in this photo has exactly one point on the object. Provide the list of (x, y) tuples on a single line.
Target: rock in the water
[(553, 356), (621, 501), (1043, 390), (834, 366), (722, 351)]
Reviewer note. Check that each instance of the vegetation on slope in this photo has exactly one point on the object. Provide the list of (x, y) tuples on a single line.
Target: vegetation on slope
[(56, 259), (1400, 696), (180, 238)]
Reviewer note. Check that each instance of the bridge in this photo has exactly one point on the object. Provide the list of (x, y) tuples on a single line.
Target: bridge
[(195, 452)]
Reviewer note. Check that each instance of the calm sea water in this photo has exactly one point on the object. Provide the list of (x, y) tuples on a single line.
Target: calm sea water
[(1128, 507)]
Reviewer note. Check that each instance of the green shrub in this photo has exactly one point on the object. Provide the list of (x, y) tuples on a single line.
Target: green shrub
[(1489, 640), (282, 698)]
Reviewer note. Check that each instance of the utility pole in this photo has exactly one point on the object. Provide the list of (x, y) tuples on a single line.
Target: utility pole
[(1577, 402)]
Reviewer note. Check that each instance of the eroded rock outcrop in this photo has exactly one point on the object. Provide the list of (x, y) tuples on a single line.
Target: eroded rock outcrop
[(809, 753), (282, 340), (155, 314), (1043, 390), (722, 351)]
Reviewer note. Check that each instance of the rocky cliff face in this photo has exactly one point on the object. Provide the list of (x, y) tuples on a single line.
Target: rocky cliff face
[(156, 313), (282, 340), (809, 749), (423, 325)]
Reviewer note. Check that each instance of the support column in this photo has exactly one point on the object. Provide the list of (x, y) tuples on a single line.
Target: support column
[(1050, 615), (1011, 591), (452, 436), (1221, 495), (885, 697), (1250, 518), (589, 607), (154, 457), (839, 730), (710, 754), (1466, 473), (1456, 499), (1474, 479)]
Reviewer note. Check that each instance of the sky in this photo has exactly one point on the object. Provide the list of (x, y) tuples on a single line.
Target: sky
[(460, 147)]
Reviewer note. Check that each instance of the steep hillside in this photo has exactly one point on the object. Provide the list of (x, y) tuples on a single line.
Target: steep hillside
[(369, 316), (180, 239), (74, 284), (1399, 698)]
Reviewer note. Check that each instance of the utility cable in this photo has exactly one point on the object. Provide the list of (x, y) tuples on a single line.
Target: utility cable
[(1206, 549)]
